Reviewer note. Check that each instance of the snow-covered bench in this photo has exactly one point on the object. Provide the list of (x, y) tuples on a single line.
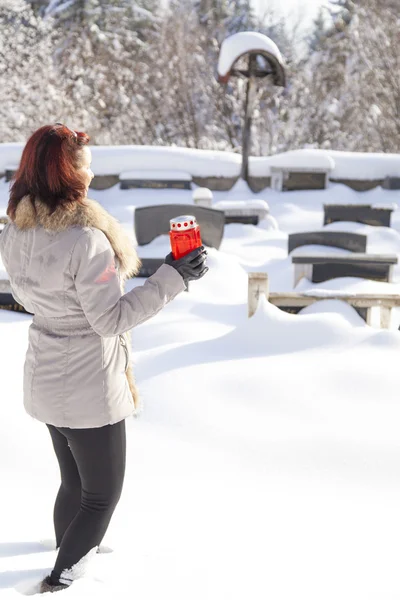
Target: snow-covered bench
[(243, 211), (359, 213), (354, 242), (293, 302), (322, 268), (155, 179)]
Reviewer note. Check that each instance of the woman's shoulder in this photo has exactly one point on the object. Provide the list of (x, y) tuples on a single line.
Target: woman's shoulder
[(88, 239)]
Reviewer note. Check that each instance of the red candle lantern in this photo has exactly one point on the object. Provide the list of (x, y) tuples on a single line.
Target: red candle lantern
[(184, 235)]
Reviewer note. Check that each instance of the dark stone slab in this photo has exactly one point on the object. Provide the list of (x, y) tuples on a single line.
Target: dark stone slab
[(294, 310), (156, 184), (365, 266), (152, 221), (245, 219), (357, 213), (149, 266), (337, 239), (220, 184), (359, 185), (10, 174), (7, 302), (391, 183), (257, 184), (104, 182), (390, 259), (375, 271), (304, 181)]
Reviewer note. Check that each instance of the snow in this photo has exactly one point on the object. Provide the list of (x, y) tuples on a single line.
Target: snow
[(388, 206), (259, 208), (4, 283), (108, 160), (10, 155), (113, 160), (241, 43), (116, 160), (157, 175), (242, 204), (202, 195), (316, 249), (266, 461), (296, 160), (364, 165)]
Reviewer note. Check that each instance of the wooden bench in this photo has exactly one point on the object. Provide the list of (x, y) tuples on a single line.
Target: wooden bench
[(322, 268), (353, 242), (363, 303), (155, 180), (358, 213), (152, 221)]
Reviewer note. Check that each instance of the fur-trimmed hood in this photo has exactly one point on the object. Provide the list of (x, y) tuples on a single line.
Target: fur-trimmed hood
[(88, 214)]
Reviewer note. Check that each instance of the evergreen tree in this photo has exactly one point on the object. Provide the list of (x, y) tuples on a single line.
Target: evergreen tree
[(318, 32), (103, 44), (222, 18), (30, 92), (240, 17)]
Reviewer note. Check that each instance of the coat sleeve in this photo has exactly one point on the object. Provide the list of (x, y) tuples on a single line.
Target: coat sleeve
[(108, 311)]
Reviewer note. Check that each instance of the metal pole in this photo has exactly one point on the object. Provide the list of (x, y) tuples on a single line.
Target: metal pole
[(248, 114)]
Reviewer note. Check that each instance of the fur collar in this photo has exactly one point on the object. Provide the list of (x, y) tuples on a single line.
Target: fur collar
[(89, 214)]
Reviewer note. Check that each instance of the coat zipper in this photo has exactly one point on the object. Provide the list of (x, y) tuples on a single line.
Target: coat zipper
[(123, 344)]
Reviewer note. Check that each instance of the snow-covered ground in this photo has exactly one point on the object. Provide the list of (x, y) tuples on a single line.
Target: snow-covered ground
[(266, 463), (121, 160)]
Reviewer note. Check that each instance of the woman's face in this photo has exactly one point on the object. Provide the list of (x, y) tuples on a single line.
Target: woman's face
[(85, 171)]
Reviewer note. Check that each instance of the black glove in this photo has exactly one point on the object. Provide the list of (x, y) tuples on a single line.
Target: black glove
[(191, 266)]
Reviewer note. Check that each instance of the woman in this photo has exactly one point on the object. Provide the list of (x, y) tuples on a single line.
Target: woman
[(67, 259)]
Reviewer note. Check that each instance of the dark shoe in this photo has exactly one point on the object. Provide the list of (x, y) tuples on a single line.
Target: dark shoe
[(48, 586)]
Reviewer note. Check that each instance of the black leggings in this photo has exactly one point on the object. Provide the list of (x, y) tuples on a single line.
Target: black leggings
[(92, 467)]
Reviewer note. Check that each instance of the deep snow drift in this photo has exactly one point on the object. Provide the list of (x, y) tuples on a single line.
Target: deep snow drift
[(266, 463)]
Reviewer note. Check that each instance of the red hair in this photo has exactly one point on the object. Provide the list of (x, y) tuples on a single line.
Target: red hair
[(48, 168)]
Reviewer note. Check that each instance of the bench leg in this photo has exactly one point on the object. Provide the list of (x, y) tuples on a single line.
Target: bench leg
[(258, 285), (386, 314), (301, 271)]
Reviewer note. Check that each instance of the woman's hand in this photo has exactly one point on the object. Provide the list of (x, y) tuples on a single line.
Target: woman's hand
[(191, 266)]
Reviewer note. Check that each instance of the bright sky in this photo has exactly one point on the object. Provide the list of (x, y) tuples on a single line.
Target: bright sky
[(292, 8)]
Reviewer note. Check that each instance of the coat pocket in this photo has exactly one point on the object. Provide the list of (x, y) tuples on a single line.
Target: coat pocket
[(123, 344)]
